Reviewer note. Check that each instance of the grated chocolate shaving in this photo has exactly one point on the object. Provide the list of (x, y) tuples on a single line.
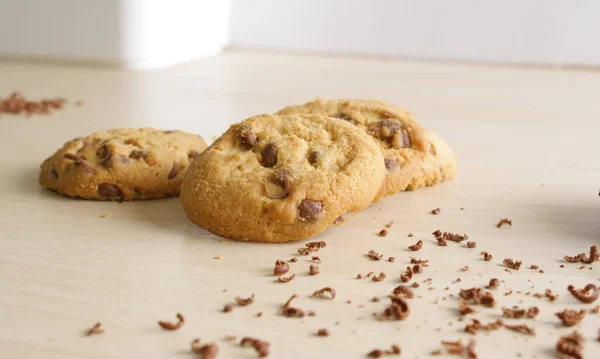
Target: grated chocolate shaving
[(316, 259), (520, 328), (423, 262), (291, 312), (321, 292), (280, 268), (471, 244), (208, 351), (503, 221), (534, 267), (455, 348), (494, 283), (323, 332), (313, 270), (512, 264), (486, 256), (417, 268), (410, 235), (417, 246), (293, 259), (244, 301), (464, 308), (571, 346), (435, 211), (96, 329), (171, 325), (282, 279), (551, 296), (398, 309), (471, 350), (383, 233), (407, 276), (587, 295), (374, 255), (518, 313), (378, 353), (570, 317), (228, 308), (391, 259), (379, 278), (476, 326), (404, 291), (261, 347)]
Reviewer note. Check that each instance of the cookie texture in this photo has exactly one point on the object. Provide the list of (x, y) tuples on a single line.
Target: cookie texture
[(414, 157), (278, 178), (122, 164)]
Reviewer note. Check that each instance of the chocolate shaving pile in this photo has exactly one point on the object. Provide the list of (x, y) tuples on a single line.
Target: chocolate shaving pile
[(17, 104)]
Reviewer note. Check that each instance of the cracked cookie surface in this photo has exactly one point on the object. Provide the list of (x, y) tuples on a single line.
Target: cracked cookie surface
[(277, 178), (414, 157), (122, 164)]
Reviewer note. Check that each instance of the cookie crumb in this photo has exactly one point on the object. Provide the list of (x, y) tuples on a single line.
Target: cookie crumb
[(219, 257), (494, 283), (379, 278), (391, 259), (571, 346), (383, 233), (106, 215), (17, 104), (228, 308), (435, 211)]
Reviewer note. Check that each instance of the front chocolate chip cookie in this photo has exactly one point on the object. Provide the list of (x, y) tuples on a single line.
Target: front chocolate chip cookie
[(275, 178), (122, 164), (414, 157)]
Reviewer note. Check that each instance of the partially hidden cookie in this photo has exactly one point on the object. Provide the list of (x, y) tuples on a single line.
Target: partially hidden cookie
[(278, 178), (122, 164), (414, 157)]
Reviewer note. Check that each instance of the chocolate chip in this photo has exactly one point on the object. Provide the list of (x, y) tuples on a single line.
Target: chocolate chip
[(54, 172), (102, 151), (401, 140), (193, 154), (72, 157), (269, 155), (310, 209), (136, 155), (391, 164), (249, 138), (314, 157), (174, 171), (110, 191)]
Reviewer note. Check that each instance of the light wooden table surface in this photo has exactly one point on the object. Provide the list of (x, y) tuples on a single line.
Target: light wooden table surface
[(527, 141)]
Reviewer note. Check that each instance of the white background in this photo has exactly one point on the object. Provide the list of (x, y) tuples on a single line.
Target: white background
[(158, 33)]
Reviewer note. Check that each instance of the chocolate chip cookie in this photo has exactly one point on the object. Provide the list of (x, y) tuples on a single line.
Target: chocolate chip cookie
[(122, 164), (278, 178), (414, 157)]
